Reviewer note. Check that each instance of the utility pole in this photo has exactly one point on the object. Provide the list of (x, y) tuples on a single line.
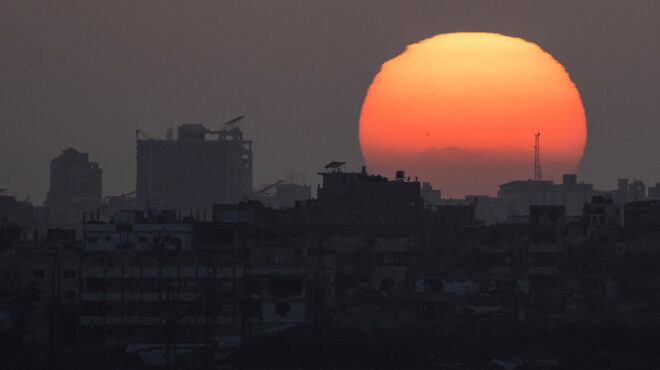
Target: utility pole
[(538, 174), (317, 288), (54, 307), (211, 311), (246, 308), (169, 325)]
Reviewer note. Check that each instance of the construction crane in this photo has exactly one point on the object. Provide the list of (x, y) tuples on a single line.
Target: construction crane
[(289, 179), (234, 120), (538, 173), (263, 189), (231, 132), (122, 195)]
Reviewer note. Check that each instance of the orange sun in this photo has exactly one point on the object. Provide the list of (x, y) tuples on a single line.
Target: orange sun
[(461, 110)]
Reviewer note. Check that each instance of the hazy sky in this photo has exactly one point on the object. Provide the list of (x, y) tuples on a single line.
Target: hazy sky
[(86, 74)]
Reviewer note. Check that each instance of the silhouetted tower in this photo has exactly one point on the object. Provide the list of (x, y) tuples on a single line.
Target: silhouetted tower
[(538, 174)]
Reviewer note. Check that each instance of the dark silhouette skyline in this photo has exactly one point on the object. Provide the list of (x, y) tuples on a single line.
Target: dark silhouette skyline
[(173, 236), (84, 75)]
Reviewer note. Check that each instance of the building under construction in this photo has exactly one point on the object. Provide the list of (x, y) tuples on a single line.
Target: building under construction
[(198, 168)]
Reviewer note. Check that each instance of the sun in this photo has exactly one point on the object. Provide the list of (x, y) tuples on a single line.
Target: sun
[(461, 110)]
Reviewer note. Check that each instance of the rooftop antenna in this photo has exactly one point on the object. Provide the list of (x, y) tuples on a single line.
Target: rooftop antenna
[(538, 174), (334, 166)]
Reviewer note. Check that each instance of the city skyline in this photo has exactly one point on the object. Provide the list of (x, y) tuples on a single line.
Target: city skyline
[(308, 184), (87, 75), (179, 170)]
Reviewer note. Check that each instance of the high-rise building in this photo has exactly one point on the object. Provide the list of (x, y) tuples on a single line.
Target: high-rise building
[(75, 188), (194, 171)]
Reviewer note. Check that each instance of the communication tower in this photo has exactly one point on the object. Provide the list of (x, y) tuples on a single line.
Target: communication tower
[(538, 174)]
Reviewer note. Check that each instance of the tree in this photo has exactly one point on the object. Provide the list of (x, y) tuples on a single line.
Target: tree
[(165, 244)]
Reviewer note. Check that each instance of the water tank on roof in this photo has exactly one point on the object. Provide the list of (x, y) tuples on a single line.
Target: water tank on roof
[(192, 132)]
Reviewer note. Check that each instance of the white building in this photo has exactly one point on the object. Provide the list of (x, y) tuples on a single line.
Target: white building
[(128, 230)]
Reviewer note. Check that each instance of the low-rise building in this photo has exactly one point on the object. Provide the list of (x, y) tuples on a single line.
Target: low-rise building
[(130, 230)]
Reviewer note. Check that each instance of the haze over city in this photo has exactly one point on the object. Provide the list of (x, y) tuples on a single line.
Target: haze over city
[(329, 185), (87, 75)]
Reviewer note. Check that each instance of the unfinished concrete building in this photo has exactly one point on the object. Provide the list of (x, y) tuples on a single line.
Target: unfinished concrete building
[(199, 168)]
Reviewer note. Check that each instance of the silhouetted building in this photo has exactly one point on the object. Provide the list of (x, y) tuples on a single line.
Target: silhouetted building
[(366, 252), (627, 191), (602, 211), (654, 192), (360, 197), (636, 191), (622, 185), (22, 213), (282, 194), (245, 212), (569, 180), (65, 237), (191, 173), (289, 194), (130, 230), (515, 198), (642, 215), (115, 203), (75, 188), (432, 197)]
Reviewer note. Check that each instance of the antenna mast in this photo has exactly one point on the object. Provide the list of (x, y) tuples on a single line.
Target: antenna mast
[(538, 174)]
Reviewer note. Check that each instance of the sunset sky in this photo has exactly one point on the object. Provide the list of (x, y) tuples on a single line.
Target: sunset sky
[(87, 74), (462, 105)]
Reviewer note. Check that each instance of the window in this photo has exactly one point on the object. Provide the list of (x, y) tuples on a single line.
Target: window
[(39, 274), (188, 283), (285, 287), (252, 309), (92, 240), (69, 274), (124, 227), (69, 294), (95, 285)]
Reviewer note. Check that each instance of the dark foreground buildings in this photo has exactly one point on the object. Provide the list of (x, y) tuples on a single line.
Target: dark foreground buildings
[(366, 264)]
